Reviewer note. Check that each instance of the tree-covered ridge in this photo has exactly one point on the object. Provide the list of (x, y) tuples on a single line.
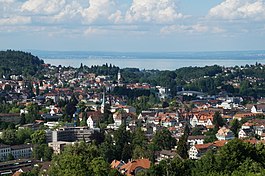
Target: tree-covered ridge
[(19, 63), (236, 158)]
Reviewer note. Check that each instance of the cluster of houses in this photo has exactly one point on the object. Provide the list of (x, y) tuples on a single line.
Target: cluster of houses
[(61, 85)]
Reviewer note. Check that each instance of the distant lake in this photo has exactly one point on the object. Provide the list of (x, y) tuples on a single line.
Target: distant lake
[(161, 61)]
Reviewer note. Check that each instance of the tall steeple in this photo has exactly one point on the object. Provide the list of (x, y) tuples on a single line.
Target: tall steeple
[(103, 103), (119, 76)]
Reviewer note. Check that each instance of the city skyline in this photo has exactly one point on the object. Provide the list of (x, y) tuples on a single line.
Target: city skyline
[(132, 25)]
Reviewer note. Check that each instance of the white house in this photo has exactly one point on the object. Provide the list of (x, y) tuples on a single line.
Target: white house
[(224, 134), (166, 154), (245, 133), (200, 120), (168, 122), (194, 121), (93, 119), (198, 150), (193, 140), (145, 115), (258, 108), (121, 116), (226, 105)]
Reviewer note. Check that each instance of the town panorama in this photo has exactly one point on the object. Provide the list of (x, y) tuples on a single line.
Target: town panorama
[(105, 120)]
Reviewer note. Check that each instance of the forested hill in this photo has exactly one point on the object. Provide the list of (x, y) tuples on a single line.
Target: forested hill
[(19, 63)]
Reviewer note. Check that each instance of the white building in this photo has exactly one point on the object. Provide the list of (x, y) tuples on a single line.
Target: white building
[(198, 150), (195, 120), (21, 151), (224, 134), (259, 108), (17, 151), (51, 124), (245, 133), (4, 151), (69, 134), (192, 140), (163, 92)]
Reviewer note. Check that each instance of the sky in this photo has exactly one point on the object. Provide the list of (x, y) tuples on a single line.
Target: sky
[(132, 25)]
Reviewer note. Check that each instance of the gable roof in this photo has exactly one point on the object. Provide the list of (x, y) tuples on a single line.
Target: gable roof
[(220, 143), (260, 107), (130, 167), (168, 153), (224, 131), (115, 164), (203, 146), (95, 115), (208, 145), (241, 115)]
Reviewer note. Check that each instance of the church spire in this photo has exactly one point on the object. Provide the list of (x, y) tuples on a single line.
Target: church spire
[(119, 76), (103, 103)]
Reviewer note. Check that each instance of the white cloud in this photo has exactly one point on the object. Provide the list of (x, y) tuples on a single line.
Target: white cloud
[(8, 8), (72, 12), (197, 28), (46, 7), (107, 12), (160, 11), (69, 11), (15, 20), (218, 30), (7, 1), (10, 14), (239, 9), (116, 17), (100, 9), (91, 31)]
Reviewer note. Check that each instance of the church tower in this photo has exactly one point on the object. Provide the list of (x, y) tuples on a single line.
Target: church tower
[(119, 76), (102, 109)]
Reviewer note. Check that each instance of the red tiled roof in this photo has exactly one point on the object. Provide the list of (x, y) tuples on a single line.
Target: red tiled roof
[(203, 146), (254, 141), (209, 126), (242, 115), (114, 164), (172, 129), (220, 143), (131, 166)]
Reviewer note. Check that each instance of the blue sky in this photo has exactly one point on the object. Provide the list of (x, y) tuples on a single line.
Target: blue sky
[(132, 25)]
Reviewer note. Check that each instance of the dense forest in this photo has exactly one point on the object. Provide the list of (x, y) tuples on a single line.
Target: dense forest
[(18, 63), (209, 79)]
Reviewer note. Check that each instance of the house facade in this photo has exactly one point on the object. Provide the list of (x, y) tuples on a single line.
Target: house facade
[(193, 140), (224, 134), (198, 150), (245, 133), (17, 151)]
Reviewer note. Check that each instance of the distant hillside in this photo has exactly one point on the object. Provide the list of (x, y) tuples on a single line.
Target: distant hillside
[(19, 63)]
